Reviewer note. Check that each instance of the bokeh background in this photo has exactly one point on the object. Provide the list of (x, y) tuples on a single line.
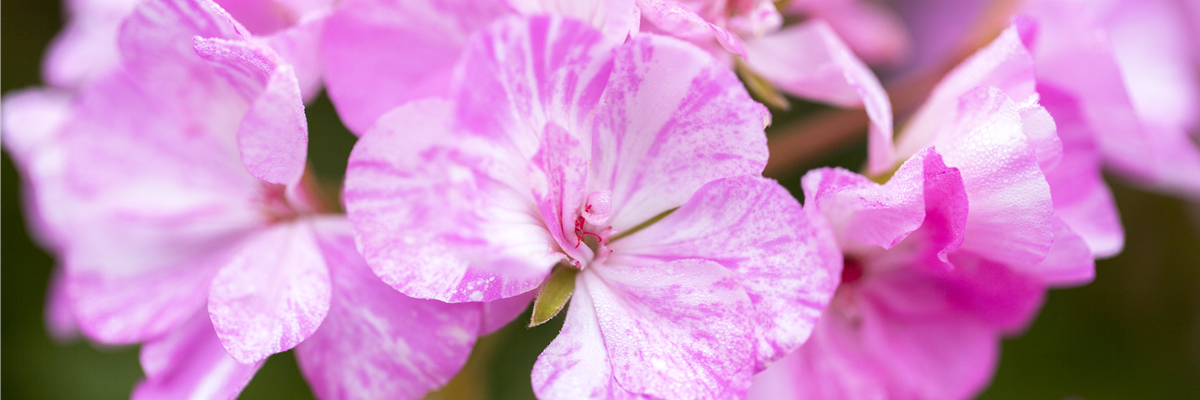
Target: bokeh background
[(1132, 334)]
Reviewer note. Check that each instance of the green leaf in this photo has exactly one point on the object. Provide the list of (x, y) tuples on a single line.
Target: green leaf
[(557, 289)]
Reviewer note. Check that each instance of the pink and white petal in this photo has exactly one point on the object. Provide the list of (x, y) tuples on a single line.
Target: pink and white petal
[(1069, 263), (1003, 297), (32, 120), (522, 74), (299, 46), (1073, 57), (948, 357), (1005, 64), (862, 212), (576, 364), (831, 364), (810, 61), (380, 54), (442, 216), (273, 135), (563, 159), (683, 329), (787, 262), (161, 31), (189, 362), (272, 294), (108, 311), (1011, 211), (499, 313), (1151, 43), (672, 18), (375, 342), (1081, 198), (672, 121), (618, 19), (87, 47)]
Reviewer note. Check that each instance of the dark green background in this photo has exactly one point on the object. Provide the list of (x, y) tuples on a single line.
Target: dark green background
[(1134, 333)]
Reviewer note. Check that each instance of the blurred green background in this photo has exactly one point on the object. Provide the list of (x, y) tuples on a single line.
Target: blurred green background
[(1133, 333)]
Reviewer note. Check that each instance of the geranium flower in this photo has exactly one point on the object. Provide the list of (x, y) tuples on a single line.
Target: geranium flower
[(956, 249), (183, 221), (620, 176), (1132, 68)]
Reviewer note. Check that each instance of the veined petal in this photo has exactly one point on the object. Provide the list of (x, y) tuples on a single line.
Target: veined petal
[(369, 47), (522, 74), (787, 262), (444, 216), (672, 120), (1011, 211), (1081, 198), (108, 311), (674, 330), (861, 212), (273, 135), (189, 363), (809, 60), (375, 342), (299, 45), (672, 18), (272, 294)]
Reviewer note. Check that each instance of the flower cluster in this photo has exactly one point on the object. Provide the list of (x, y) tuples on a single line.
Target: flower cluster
[(600, 159)]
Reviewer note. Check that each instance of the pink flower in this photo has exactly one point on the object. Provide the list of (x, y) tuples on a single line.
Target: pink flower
[(957, 247), (380, 54), (624, 174), (176, 203), (1132, 67)]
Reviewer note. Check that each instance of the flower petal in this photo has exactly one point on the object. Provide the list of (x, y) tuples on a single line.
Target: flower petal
[(272, 295), (273, 135), (369, 47), (862, 212), (673, 120), (189, 363), (786, 261), (1005, 64), (810, 61), (109, 312), (673, 18), (375, 342), (443, 216), (674, 330), (1081, 198), (1011, 211)]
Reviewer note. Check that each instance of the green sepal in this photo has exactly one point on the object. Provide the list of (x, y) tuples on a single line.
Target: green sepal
[(556, 291)]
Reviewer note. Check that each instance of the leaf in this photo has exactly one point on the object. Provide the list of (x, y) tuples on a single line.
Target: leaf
[(554, 295)]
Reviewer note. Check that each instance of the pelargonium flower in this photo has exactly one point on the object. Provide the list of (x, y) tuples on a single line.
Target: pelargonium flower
[(181, 217), (623, 177), (1132, 67), (957, 247), (380, 54)]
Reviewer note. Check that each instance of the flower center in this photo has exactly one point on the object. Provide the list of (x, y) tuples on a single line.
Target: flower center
[(591, 225)]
